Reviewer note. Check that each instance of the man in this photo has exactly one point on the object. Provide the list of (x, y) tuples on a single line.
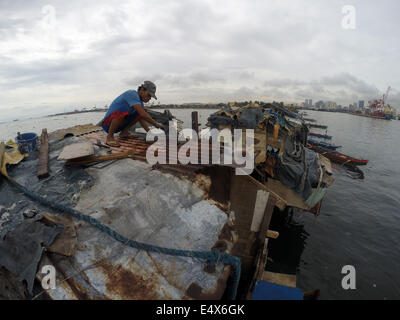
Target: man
[(126, 110)]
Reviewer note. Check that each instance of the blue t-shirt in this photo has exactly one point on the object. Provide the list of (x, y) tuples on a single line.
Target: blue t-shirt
[(122, 106)]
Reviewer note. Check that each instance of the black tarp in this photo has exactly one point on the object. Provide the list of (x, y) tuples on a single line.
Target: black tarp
[(21, 238), (22, 248)]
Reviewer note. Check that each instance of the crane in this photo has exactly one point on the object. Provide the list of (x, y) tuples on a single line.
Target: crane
[(385, 96)]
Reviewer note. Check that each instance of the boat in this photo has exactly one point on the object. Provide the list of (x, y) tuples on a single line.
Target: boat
[(310, 120), (318, 135), (337, 157), (322, 144), (378, 108), (315, 125)]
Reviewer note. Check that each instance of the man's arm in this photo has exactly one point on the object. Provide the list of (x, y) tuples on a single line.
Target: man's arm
[(144, 125), (145, 116)]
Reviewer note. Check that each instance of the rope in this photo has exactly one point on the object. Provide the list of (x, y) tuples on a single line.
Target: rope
[(212, 257)]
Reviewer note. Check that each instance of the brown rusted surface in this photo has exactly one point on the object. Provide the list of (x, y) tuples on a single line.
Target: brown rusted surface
[(128, 285)]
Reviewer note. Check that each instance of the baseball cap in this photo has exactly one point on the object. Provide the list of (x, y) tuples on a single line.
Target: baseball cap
[(151, 88)]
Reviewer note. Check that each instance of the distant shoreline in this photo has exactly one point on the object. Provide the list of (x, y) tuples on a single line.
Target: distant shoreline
[(75, 112), (150, 108)]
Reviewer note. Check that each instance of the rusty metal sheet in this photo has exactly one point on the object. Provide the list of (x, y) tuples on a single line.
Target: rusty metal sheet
[(152, 207)]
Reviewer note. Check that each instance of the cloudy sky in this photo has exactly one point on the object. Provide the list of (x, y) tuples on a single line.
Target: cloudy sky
[(58, 55)]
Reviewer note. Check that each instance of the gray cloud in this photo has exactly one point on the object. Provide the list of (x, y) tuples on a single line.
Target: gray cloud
[(196, 51)]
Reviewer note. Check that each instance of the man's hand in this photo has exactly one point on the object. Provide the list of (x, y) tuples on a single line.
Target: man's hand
[(160, 126)]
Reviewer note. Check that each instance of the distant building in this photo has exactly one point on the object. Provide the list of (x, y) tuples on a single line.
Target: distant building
[(320, 105), (308, 103), (331, 105), (353, 106), (361, 104)]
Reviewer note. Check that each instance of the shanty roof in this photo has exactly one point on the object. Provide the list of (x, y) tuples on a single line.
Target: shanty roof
[(154, 208), (142, 204)]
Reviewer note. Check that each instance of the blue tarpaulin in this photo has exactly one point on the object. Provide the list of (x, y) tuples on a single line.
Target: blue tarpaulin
[(270, 291)]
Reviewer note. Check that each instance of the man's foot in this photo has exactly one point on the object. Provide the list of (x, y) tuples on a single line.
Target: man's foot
[(126, 135), (112, 143)]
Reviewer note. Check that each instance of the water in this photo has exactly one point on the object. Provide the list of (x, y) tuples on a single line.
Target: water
[(359, 224), (8, 130)]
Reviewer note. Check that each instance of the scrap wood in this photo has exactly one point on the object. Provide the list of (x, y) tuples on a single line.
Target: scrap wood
[(43, 164), (76, 150), (88, 160)]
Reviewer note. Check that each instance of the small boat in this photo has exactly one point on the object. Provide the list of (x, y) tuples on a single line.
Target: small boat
[(318, 135), (338, 157), (310, 120), (314, 125), (322, 144)]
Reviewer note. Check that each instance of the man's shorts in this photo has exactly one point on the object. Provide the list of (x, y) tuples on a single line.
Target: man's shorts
[(133, 117)]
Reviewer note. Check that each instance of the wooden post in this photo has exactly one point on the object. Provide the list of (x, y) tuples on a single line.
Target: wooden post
[(43, 165), (195, 122)]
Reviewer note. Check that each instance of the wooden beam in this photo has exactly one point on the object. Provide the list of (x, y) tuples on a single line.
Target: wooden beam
[(43, 164), (269, 210)]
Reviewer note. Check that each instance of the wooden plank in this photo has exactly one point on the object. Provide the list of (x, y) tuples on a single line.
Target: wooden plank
[(291, 198), (243, 197), (76, 150), (269, 210), (279, 201), (288, 280), (43, 164), (259, 208)]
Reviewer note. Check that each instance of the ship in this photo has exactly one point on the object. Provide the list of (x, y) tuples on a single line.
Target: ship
[(378, 108)]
